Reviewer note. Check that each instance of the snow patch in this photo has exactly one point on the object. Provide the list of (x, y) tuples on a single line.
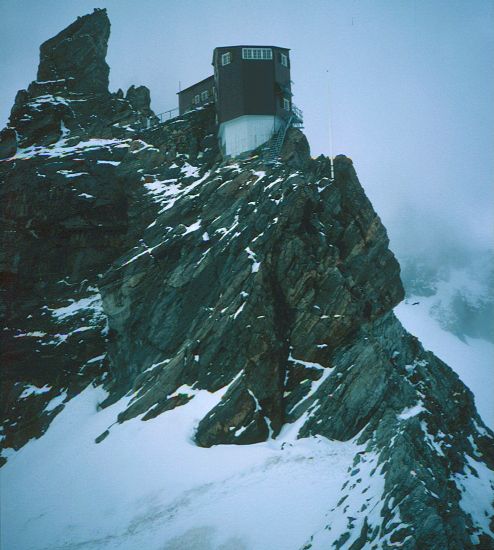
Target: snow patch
[(191, 228), (56, 401), (92, 303), (111, 162), (34, 334), (255, 264), (239, 311), (30, 389), (412, 411), (308, 364), (476, 486)]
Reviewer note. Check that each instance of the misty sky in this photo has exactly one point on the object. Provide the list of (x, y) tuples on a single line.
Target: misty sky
[(410, 84)]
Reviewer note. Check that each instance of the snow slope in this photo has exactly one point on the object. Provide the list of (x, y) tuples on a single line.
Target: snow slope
[(148, 486), (472, 359)]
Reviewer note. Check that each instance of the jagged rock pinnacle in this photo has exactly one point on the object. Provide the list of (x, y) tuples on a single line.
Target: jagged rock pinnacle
[(70, 97), (140, 98), (77, 54)]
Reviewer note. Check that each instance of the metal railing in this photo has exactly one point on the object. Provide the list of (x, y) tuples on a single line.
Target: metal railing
[(167, 115), (277, 140), (298, 116), (295, 119), (150, 123)]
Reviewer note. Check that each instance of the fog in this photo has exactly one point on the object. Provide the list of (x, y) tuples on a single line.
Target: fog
[(407, 88)]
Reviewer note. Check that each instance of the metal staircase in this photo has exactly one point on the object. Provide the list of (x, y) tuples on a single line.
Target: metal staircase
[(275, 144)]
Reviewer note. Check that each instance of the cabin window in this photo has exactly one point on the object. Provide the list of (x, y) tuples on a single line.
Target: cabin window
[(204, 95), (257, 53), (286, 104), (284, 60), (226, 58), (197, 99)]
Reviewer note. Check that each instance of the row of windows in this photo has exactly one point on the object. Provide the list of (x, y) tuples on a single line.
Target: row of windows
[(203, 96), (257, 53), (254, 53)]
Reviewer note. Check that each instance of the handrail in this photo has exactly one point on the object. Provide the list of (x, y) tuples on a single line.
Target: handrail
[(276, 142), (298, 114), (168, 114), (284, 130)]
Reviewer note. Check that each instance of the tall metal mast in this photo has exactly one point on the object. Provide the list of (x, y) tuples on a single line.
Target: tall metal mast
[(330, 123)]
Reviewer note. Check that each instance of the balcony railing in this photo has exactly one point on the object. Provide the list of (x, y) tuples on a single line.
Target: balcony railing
[(167, 115), (297, 115)]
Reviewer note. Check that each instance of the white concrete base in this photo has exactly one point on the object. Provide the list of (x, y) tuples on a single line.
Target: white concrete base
[(247, 132)]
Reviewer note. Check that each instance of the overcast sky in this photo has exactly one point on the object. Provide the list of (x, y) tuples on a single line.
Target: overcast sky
[(409, 85)]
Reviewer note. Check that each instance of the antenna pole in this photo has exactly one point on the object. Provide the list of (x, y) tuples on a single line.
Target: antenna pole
[(330, 121)]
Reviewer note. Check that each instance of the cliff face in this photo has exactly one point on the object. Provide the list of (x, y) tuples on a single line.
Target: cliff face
[(249, 267), (140, 260), (71, 203)]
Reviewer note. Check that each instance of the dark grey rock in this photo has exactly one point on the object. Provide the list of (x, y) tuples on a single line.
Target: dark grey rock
[(71, 94), (8, 143), (77, 55), (296, 149), (140, 98)]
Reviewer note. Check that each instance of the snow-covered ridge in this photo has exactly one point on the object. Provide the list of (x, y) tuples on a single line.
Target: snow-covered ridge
[(471, 358)]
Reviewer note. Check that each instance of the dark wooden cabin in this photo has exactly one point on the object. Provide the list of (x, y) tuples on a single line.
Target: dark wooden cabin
[(251, 88), (252, 80), (196, 95)]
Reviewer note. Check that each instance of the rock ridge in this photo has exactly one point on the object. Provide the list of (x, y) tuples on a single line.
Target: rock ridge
[(139, 260)]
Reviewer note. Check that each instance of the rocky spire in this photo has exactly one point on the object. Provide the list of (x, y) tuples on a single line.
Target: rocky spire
[(70, 97), (140, 98), (77, 54)]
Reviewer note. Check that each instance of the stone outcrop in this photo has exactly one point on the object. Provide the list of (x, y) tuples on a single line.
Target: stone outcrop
[(71, 96), (296, 149), (77, 55), (140, 99), (72, 201), (137, 258), (8, 143), (68, 212), (292, 261)]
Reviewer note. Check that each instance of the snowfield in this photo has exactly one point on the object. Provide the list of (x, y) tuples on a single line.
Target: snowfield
[(147, 485)]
